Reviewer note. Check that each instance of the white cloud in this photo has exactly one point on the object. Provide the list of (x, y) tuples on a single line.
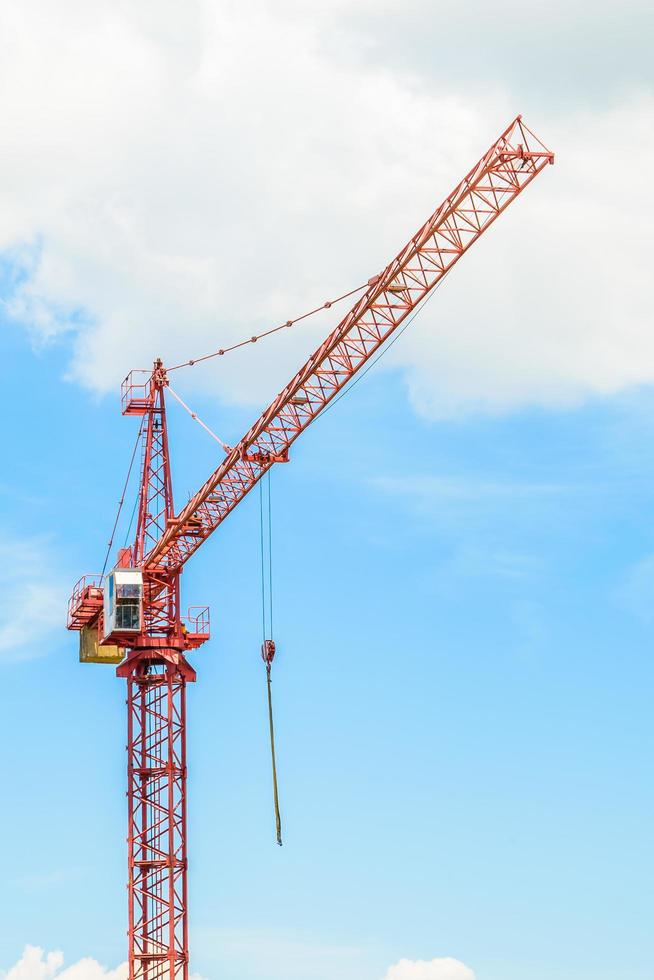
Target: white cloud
[(439, 969), (560, 310), (32, 598), (187, 173), (35, 964)]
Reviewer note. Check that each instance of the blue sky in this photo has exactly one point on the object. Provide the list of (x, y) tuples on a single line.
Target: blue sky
[(463, 548)]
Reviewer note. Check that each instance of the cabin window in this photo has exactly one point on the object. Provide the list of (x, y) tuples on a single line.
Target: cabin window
[(123, 601), (128, 607)]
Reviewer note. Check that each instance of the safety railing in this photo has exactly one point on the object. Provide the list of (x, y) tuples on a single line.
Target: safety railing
[(198, 621), (85, 602), (135, 392)]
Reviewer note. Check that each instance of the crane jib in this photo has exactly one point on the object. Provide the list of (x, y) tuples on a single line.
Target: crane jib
[(510, 164)]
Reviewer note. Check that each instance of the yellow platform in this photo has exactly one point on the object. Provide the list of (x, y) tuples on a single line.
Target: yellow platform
[(90, 651)]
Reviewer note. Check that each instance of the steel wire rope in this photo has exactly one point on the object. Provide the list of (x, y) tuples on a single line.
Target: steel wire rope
[(266, 333), (196, 418), (122, 499), (270, 560), (131, 520), (263, 566), (266, 599), (385, 348), (268, 644)]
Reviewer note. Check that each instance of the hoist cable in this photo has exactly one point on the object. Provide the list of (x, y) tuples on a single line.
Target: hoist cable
[(268, 644), (131, 520), (263, 567), (122, 499), (266, 333), (270, 560), (266, 594)]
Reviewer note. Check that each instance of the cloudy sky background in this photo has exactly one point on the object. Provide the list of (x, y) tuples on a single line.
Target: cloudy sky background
[(36, 964), (177, 176)]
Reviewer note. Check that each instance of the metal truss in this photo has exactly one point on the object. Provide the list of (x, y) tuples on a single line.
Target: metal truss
[(158, 903), (504, 171)]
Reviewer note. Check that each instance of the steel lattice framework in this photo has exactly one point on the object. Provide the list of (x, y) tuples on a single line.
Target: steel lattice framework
[(509, 165), (155, 667), (156, 723)]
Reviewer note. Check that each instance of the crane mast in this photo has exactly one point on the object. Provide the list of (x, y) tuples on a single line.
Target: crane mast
[(132, 616)]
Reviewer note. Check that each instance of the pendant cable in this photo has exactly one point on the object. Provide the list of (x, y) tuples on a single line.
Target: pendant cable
[(268, 642)]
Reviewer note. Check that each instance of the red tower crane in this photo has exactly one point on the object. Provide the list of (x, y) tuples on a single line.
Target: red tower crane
[(132, 616)]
